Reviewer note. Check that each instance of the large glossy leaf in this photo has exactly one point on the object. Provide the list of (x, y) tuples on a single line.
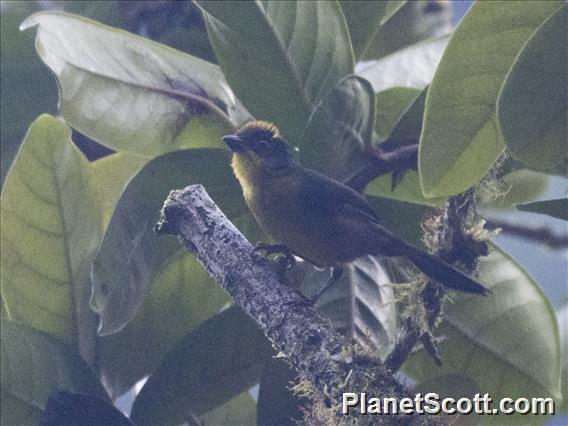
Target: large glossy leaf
[(277, 405), (407, 190), (361, 304), (533, 103), (177, 24), (50, 233), (461, 139), (130, 93), (27, 87), (35, 364), (392, 105), (340, 129), (412, 22), (403, 130), (555, 208), (131, 254), (181, 296), (111, 174), (520, 186), (280, 57), (17, 412), (69, 409), (363, 21), (392, 7), (407, 130), (507, 343), (402, 218), (216, 362), (413, 66), (240, 410)]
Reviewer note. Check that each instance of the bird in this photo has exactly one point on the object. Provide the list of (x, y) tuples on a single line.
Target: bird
[(316, 218)]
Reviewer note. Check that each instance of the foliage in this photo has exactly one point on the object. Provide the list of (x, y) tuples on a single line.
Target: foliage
[(77, 235)]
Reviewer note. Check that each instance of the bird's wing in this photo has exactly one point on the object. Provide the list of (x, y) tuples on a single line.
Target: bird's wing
[(363, 211), (328, 195)]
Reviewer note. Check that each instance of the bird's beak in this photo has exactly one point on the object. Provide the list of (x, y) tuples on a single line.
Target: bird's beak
[(234, 143)]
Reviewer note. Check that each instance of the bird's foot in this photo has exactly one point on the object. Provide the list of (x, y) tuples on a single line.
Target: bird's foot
[(305, 302), (284, 256), (309, 301)]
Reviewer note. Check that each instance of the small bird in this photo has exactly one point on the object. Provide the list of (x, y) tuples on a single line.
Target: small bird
[(317, 218)]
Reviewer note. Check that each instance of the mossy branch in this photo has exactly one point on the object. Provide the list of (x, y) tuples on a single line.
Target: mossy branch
[(324, 360)]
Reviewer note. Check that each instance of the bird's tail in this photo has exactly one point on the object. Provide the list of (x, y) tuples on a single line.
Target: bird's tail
[(444, 273)]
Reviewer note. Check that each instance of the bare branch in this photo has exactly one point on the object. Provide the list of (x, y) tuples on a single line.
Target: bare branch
[(541, 235)]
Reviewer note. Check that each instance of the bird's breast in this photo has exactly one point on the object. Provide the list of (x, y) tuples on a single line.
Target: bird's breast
[(310, 233)]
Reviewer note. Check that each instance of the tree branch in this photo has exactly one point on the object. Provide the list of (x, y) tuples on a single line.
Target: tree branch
[(320, 355), (384, 160), (447, 236), (542, 235)]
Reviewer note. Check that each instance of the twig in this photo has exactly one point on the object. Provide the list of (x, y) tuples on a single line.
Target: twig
[(318, 353), (382, 161), (542, 235), (403, 348), (446, 235)]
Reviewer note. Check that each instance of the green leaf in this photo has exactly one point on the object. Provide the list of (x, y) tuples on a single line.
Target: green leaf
[(407, 190), (392, 7), (240, 410), (461, 139), (392, 105), (556, 208), (28, 88), (412, 67), (533, 103), (363, 20), (129, 93), (216, 362), (407, 24), (453, 386), (402, 218), (281, 58), (520, 186), (111, 174), (507, 343), (277, 405), (51, 229), (35, 364), (17, 412), (68, 408), (361, 304), (405, 131), (181, 296), (340, 129), (131, 254)]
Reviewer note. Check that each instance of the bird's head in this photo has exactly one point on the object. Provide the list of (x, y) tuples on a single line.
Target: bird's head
[(258, 147)]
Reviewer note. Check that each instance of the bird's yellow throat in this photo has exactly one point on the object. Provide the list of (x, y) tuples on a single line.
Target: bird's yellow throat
[(245, 169)]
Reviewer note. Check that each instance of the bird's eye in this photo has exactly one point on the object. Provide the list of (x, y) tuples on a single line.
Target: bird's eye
[(261, 146)]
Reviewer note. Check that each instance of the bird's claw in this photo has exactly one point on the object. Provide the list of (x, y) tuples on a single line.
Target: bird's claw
[(286, 261), (284, 258), (260, 247), (305, 301)]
